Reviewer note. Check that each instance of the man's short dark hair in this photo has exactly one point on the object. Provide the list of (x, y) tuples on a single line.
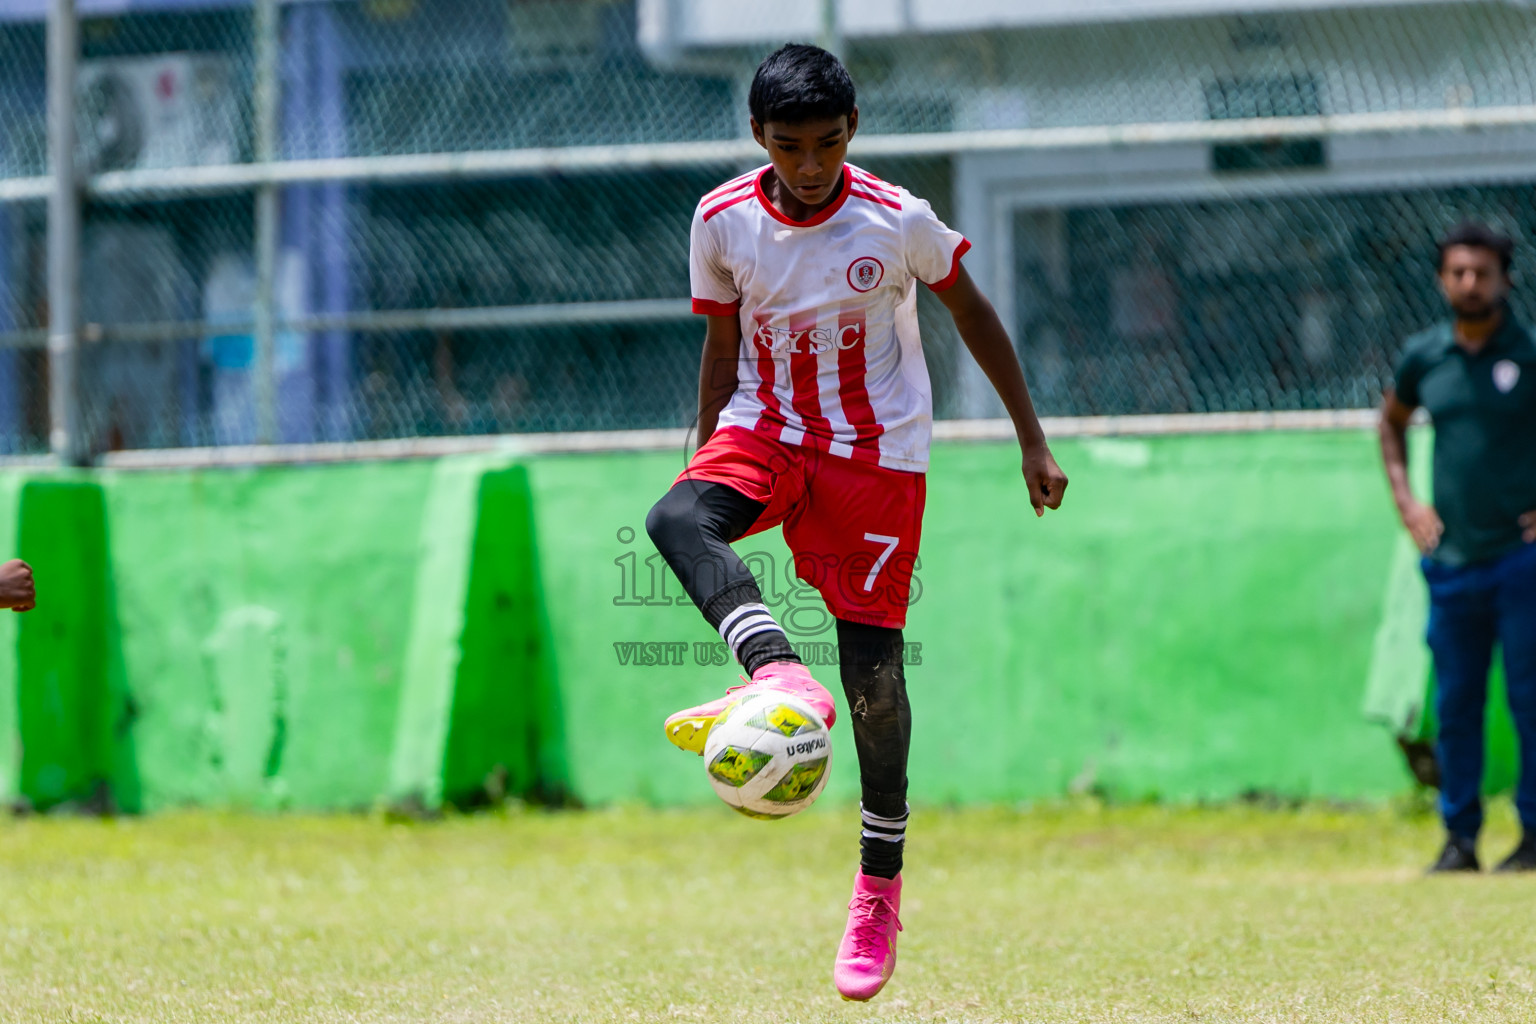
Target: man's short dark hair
[(798, 83), (1478, 235)]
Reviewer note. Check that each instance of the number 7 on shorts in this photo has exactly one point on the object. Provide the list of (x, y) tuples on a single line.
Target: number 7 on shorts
[(890, 545)]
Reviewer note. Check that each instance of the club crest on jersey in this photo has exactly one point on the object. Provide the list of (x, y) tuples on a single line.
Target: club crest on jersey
[(1506, 374), (865, 273)]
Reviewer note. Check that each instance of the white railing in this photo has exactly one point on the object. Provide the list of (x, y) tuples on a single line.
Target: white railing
[(680, 439)]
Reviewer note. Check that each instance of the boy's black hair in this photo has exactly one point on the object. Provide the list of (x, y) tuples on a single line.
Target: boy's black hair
[(1478, 236), (798, 83)]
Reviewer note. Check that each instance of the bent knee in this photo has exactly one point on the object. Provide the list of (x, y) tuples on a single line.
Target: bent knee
[(666, 518)]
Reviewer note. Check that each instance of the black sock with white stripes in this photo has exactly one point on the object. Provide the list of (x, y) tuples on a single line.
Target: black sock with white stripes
[(748, 627), (882, 841), (875, 683)]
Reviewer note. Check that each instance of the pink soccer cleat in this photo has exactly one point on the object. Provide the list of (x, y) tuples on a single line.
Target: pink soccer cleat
[(688, 729), (867, 956)]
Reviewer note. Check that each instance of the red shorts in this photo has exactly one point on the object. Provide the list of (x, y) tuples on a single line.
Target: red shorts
[(853, 528)]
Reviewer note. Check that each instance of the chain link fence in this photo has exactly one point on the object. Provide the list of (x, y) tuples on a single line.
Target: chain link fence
[(1241, 305), (482, 206)]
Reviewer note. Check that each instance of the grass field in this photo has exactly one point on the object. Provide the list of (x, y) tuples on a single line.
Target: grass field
[(1077, 913)]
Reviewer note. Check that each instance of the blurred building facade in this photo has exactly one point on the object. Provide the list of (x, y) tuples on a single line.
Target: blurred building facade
[(1144, 262)]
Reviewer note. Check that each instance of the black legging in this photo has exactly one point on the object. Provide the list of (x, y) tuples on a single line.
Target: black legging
[(875, 684), (693, 526)]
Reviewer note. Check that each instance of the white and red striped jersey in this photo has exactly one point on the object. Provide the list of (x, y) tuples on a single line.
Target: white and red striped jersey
[(830, 353)]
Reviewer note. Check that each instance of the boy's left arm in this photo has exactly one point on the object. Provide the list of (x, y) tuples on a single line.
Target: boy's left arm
[(989, 343)]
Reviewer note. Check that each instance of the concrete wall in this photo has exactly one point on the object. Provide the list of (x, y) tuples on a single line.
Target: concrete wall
[(297, 637), (1197, 623)]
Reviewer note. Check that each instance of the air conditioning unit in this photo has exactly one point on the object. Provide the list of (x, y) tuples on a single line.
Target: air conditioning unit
[(169, 110)]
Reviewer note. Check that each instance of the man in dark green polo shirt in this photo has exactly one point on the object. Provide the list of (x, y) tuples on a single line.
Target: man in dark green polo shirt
[(1476, 376)]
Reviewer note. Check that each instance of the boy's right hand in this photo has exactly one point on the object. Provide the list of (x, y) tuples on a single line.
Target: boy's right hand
[(18, 592)]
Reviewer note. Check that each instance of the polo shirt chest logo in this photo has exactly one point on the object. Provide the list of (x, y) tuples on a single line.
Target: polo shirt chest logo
[(1506, 374)]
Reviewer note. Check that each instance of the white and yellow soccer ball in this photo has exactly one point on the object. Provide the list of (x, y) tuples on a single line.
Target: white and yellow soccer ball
[(768, 755)]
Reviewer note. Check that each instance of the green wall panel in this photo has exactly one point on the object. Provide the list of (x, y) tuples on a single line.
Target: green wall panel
[(74, 719), (599, 596), (476, 712), (10, 625), (1198, 623), (264, 614), (505, 714), (1195, 624), (437, 615), (331, 636)]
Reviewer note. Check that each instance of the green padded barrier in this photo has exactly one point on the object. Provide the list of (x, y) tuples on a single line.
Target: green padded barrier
[(74, 718), (505, 719), (247, 721), (1394, 687), (1395, 682), (432, 653), (264, 617), (1196, 624), (589, 512), (329, 637), (475, 716), (10, 735)]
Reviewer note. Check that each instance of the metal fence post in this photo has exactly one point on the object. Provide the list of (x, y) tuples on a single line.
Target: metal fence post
[(830, 38), (65, 436), (267, 54)]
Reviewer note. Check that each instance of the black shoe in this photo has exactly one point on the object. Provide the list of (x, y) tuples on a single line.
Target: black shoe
[(1524, 857), (1458, 855)]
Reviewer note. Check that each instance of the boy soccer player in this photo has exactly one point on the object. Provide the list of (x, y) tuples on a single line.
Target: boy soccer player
[(815, 414)]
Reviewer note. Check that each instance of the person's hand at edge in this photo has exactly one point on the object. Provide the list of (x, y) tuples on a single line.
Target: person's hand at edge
[(1425, 527), (18, 591)]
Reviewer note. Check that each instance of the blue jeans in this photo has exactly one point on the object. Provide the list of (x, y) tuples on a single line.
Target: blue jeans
[(1471, 608)]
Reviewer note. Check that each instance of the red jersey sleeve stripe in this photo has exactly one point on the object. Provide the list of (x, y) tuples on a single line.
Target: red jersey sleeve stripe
[(855, 193), (727, 203), (874, 184), (954, 268), (716, 197), (723, 193), (709, 307), (730, 186)]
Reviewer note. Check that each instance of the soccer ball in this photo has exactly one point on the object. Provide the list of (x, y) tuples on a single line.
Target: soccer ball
[(767, 755)]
